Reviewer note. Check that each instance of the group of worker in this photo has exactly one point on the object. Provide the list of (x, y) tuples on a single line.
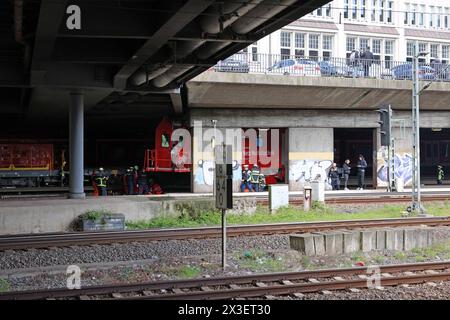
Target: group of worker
[(134, 182), (336, 173), (253, 180)]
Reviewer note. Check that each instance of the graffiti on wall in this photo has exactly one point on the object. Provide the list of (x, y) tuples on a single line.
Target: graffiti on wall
[(305, 171), (402, 166), (204, 173)]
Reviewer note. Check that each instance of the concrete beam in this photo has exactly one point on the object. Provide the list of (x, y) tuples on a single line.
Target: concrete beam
[(232, 90), (177, 22), (50, 17), (177, 102)]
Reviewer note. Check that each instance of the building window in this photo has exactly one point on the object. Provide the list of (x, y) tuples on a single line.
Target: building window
[(421, 13), (254, 53), (354, 9), (319, 12), (439, 9), (431, 16), (346, 9), (445, 53), (373, 12), (351, 44), (363, 9), (328, 10), (285, 40), (285, 53), (381, 8), (446, 18), (414, 14), (327, 43), (363, 43), (434, 48), (388, 53), (389, 11), (376, 44), (299, 45), (422, 47), (313, 41), (409, 51), (299, 40), (406, 19)]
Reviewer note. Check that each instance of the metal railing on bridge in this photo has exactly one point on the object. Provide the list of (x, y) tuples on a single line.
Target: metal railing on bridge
[(275, 64)]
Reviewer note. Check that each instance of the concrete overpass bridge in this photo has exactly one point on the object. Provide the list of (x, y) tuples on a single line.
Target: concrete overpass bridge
[(316, 113)]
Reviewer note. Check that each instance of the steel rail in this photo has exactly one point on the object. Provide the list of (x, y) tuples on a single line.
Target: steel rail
[(48, 240), (217, 281)]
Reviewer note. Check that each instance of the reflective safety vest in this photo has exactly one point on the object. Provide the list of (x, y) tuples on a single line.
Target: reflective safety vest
[(254, 176), (262, 179), (101, 181), (440, 175)]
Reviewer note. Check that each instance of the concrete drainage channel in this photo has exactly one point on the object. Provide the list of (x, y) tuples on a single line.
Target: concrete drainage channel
[(336, 242)]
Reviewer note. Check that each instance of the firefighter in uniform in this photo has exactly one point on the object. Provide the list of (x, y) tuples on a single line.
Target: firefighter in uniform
[(245, 184), (143, 182), (440, 175), (129, 179), (254, 178), (100, 180), (262, 182)]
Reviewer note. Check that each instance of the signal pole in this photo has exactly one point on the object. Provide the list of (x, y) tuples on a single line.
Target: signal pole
[(416, 205)]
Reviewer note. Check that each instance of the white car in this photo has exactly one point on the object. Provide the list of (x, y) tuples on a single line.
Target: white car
[(300, 67)]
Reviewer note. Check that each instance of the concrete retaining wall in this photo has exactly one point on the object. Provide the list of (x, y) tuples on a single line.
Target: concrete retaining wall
[(58, 215), (332, 243)]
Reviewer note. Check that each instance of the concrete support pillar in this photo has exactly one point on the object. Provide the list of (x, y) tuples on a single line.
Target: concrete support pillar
[(310, 155), (76, 142), (403, 158)]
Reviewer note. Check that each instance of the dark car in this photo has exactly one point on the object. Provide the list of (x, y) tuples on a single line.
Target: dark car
[(232, 65), (404, 71)]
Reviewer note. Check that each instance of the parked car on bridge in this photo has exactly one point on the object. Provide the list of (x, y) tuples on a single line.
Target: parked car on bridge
[(300, 67), (340, 69), (232, 65), (404, 72)]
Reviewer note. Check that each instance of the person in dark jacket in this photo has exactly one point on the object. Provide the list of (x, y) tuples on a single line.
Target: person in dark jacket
[(366, 60), (346, 171), (334, 176), (143, 182), (361, 165)]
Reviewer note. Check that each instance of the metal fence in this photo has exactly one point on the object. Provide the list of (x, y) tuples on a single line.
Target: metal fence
[(273, 64)]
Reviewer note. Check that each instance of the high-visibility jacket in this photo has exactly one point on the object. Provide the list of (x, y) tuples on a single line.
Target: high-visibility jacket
[(254, 176), (101, 181), (440, 174)]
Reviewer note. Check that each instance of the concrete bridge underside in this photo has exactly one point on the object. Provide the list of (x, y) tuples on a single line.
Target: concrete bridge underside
[(235, 90)]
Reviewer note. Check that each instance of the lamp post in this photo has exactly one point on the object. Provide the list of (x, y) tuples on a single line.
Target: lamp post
[(416, 205)]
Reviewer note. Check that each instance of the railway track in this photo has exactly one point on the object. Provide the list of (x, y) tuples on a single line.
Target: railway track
[(364, 199), (252, 286), (48, 240)]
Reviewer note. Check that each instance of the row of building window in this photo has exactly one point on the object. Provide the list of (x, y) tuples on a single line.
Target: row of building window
[(427, 16), (369, 10), (436, 51), (382, 11), (306, 44)]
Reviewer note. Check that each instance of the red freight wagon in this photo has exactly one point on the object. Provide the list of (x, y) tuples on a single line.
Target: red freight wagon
[(26, 157)]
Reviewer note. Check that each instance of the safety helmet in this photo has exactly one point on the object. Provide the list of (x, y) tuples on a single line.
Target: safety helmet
[(136, 167), (100, 169), (245, 165)]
